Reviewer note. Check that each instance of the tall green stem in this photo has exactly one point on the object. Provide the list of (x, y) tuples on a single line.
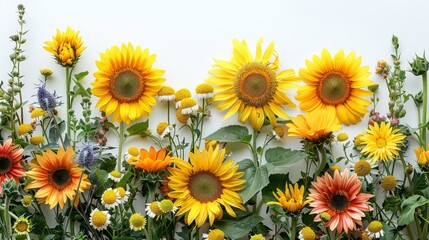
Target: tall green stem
[(121, 145), (425, 226), (293, 227), (425, 105), (7, 216), (68, 100), (254, 148), (322, 163)]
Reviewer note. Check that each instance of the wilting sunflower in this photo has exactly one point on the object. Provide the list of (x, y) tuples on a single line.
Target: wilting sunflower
[(126, 83), (314, 125), (382, 142), (205, 184), (10, 162), (56, 177), (66, 47), (252, 86), (335, 83), (152, 160), (341, 198)]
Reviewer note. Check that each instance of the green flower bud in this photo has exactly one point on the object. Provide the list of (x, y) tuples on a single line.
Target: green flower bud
[(418, 98), (419, 65), (373, 88), (395, 41), (10, 188)]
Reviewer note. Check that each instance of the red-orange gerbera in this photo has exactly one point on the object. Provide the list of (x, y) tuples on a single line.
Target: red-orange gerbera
[(341, 198), (10, 162), (152, 160)]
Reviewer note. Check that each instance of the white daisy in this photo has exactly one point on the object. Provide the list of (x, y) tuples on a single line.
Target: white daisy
[(99, 220)]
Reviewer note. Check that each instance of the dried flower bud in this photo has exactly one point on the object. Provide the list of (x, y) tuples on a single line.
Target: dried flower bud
[(419, 65), (14, 37)]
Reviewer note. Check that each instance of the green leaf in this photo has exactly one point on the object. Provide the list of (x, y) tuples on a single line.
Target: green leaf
[(138, 128), (125, 179), (81, 75), (409, 206), (279, 159), (239, 227), (100, 179), (232, 133), (256, 178), (391, 203), (124, 238)]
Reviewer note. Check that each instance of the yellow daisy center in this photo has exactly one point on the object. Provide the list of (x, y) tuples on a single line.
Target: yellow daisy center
[(362, 168), (38, 112), (325, 216), (181, 94), (381, 143), (166, 91), (36, 140), (21, 225), (161, 127), (375, 226), (154, 207), (26, 200), (115, 174), (188, 103), (24, 129), (60, 178), (388, 183), (255, 84), (109, 197), (99, 219), (216, 234), (137, 221), (308, 233), (334, 89), (127, 84), (205, 186), (5, 164), (204, 88), (257, 237), (339, 202), (166, 205), (121, 192), (342, 137)]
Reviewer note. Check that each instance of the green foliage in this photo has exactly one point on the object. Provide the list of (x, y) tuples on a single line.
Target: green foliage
[(256, 178), (232, 133), (409, 206), (239, 227)]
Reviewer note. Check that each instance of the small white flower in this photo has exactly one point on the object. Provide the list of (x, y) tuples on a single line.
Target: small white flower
[(110, 199), (123, 194), (99, 220), (153, 210), (115, 176)]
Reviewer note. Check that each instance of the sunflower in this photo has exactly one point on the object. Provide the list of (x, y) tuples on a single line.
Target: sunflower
[(205, 184), (335, 83), (341, 198), (56, 177), (382, 142), (10, 162), (126, 83), (152, 160), (252, 86), (66, 47), (292, 199), (314, 125)]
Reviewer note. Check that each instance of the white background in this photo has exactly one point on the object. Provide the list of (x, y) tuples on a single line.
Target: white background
[(187, 35)]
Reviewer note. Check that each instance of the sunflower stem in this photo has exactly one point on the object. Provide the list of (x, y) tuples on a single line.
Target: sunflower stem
[(254, 148), (72, 206), (322, 151), (426, 225), (121, 144), (7, 215), (58, 127), (293, 227), (425, 104)]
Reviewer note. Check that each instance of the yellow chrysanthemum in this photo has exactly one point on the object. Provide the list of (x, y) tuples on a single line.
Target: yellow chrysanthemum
[(202, 186), (56, 177), (253, 87), (126, 83), (66, 47), (382, 142), (292, 199), (314, 125), (422, 156), (336, 83)]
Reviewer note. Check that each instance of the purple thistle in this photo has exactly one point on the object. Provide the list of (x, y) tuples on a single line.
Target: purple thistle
[(46, 99), (86, 154)]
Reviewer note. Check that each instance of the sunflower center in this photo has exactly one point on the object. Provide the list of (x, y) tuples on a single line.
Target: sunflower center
[(381, 143), (127, 85), (255, 84), (334, 89), (60, 178), (5, 164), (339, 202), (362, 168), (205, 186)]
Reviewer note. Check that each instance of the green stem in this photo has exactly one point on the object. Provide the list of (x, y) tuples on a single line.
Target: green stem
[(293, 227), (254, 148), (322, 163), (202, 123), (58, 127), (425, 226), (68, 100), (72, 206), (425, 104), (121, 145), (7, 215)]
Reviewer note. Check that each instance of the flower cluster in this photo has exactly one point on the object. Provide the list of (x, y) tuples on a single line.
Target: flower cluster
[(188, 183)]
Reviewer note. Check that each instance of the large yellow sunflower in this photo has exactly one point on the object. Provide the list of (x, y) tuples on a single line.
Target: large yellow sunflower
[(126, 83), (252, 86), (56, 177), (314, 125), (66, 47), (205, 184), (335, 83), (382, 142)]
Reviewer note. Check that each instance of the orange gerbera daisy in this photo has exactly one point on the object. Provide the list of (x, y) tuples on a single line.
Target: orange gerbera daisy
[(152, 160), (56, 177), (341, 198), (10, 162)]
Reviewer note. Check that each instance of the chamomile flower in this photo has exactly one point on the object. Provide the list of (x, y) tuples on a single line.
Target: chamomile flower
[(153, 210), (215, 234), (307, 233), (375, 229), (365, 169), (123, 194), (99, 220), (166, 94), (188, 105), (115, 176), (110, 199), (137, 222), (163, 129), (167, 205)]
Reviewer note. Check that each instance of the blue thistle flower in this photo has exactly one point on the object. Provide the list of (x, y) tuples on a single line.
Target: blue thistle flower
[(86, 154), (46, 99)]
